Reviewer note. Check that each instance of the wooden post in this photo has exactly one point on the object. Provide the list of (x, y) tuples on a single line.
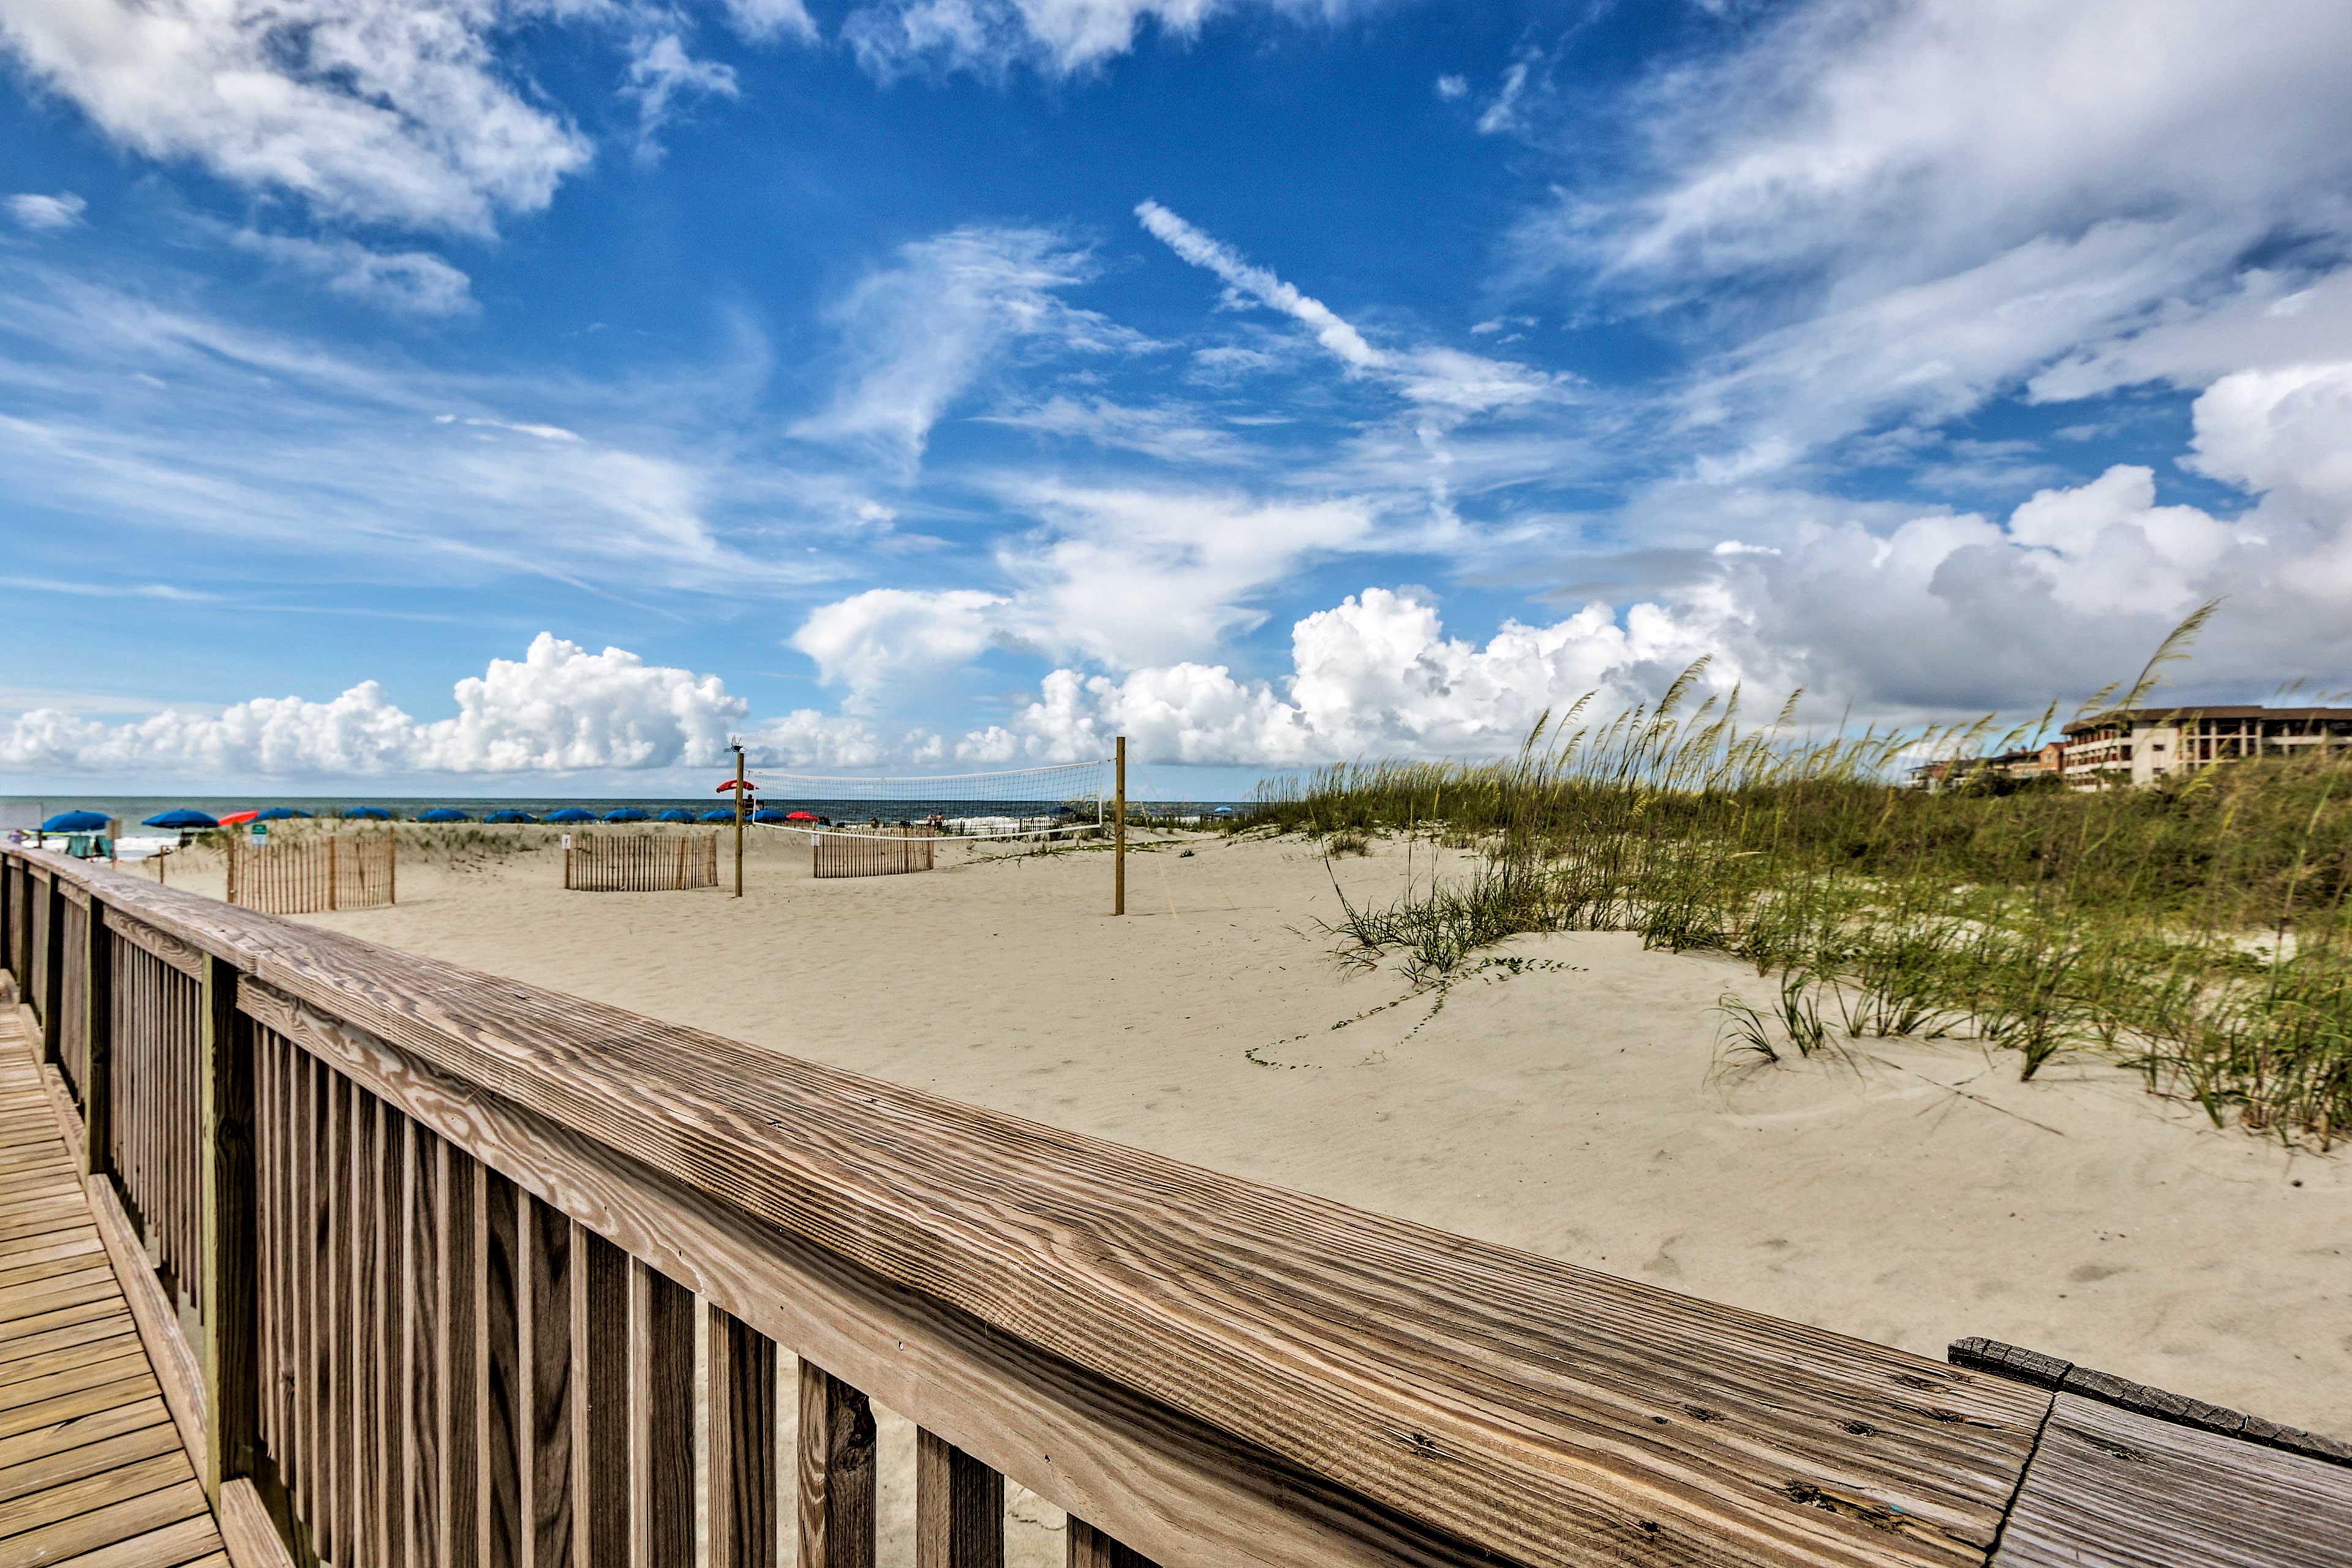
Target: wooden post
[(738, 822), (836, 1472), (53, 976), (225, 1091), (334, 867), (1118, 837), (97, 959)]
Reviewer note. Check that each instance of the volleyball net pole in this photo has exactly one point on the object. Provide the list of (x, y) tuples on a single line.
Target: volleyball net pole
[(738, 819), (1118, 831)]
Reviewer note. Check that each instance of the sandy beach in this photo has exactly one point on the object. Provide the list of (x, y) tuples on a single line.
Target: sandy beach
[(1574, 1102)]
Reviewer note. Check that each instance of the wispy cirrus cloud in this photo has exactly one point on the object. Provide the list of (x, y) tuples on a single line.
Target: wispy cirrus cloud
[(46, 213)]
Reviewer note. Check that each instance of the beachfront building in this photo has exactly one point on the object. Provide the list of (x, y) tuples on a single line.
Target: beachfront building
[(2141, 745), (2045, 760)]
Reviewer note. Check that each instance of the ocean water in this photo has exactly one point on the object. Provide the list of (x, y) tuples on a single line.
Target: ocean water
[(28, 811)]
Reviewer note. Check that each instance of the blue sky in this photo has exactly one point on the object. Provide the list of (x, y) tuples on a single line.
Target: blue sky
[(488, 393)]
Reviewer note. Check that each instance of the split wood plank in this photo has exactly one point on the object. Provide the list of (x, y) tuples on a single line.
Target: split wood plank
[(2110, 1489)]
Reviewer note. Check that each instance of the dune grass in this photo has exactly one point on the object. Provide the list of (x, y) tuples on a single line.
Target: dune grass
[(2197, 929)]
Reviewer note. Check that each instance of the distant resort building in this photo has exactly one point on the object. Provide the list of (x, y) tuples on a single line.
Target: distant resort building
[(2141, 745), (2144, 745)]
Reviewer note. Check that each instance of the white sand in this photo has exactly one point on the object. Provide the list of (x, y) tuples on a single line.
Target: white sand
[(1912, 1195)]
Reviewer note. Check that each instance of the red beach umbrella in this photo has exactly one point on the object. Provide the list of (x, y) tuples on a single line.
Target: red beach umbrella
[(748, 787), (238, 818), (800, 816)]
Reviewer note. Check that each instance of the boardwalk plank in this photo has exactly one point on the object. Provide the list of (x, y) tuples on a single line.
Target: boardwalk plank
[(2109, 1488), (115, 1523), (71, 1499), (90, 1459)]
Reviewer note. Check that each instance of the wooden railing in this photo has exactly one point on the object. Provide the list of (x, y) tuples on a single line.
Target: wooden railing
[(445, 1239), (640, 862)]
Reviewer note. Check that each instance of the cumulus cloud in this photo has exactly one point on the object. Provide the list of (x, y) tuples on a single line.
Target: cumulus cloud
[(384, 111), (45, 214), (1453, 86), (557, 709), (916, 335), (765, 20), (1376, 674), (872, 641), (1055, 38), (412, 282)]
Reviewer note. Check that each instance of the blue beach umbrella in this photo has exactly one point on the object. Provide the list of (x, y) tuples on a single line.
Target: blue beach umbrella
[(367, 814), (572, 813), (511, 815), (768, 814), (1223, 811), (676, 814), (279, 814), (77, 822), (443, 814), (720, 816), (626, 813), (183, 818)]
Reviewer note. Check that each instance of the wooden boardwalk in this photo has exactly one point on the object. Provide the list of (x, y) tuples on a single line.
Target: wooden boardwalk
[(91, 1471)]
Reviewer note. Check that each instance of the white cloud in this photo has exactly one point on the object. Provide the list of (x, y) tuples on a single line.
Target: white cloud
[(1901, 208), (1438, 377), (1343, 341), (661, 73), (557, 709), (383, 111), (45, 214), (415, 282), (875, 640), (917, 333), (1374, 676), (1502, 111), (763, 21), (1172, 432), (1453, 86), (1056, 37)]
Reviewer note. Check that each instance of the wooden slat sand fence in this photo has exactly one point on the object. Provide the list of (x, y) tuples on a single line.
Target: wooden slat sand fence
[(455, 1234), (640, 862), (873, 851), (308, 874)]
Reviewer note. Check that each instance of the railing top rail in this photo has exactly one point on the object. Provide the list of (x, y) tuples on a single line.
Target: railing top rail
[(1539, 1411)]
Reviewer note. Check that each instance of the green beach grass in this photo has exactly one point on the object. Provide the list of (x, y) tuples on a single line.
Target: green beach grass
[(2195, 930)]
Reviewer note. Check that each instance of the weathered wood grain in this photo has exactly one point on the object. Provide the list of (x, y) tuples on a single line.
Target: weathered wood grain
[(177, 1368), (836, 1472), (227, 1307), (1091, 1547), (183, 956), (600, 1399), (97, 960), (959, 1508), (420, 1322), (457, 1184), (499, 1376), (741, 1392), (661, 1420), (546, 1357), (248, 1534), (2109, 1488)]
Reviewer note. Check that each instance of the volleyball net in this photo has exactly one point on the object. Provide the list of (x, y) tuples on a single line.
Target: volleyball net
[(1063, 799)]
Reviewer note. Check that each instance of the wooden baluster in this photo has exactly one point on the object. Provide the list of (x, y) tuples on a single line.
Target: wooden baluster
[(52, 974), (959, 1508), (600, 1400), (97, 959), (499, 1375), (361, 1544), (742, 1394), (393, 1393), (836, 1472), (333, 1288), (1091, 1547), (264, 1246), (661, 1420), (314, 1472), (457, 1489), (420, 1321), (545, 1356)]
